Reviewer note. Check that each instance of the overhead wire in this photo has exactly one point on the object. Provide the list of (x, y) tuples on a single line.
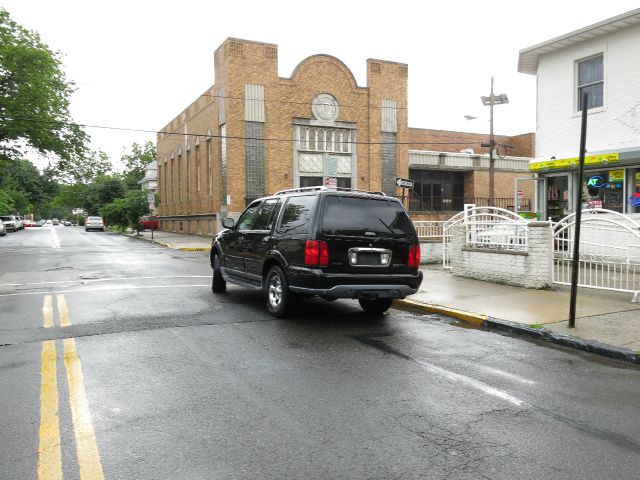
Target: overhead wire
[(228, 137)]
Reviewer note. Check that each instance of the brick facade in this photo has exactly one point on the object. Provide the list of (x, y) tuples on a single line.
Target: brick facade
[(252, 121)]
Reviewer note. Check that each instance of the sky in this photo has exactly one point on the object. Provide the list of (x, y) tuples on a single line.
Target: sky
[(138, 63)]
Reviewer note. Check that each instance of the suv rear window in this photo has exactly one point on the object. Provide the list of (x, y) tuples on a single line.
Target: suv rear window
[(365, 217)]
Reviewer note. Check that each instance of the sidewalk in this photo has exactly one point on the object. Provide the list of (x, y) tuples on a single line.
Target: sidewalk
[(607, 322), (177, 241)]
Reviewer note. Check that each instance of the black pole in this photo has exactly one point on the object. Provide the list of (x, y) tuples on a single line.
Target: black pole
[(575, 267)]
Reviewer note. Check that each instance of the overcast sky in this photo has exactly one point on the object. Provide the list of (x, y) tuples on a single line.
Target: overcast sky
[(138, 63)]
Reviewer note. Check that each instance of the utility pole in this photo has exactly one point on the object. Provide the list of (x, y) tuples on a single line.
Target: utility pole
[(492, 100)]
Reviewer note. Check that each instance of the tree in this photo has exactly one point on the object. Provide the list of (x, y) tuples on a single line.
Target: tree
[(136, 161), (84, 168), (34, 97), (126, 212)]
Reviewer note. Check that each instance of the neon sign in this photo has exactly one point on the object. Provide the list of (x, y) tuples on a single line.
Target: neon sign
[(596, 181)]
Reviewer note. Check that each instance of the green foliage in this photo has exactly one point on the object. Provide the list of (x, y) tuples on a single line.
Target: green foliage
[(35, 95), (7, 205), (126, 212), (136, 161), (30, 190), (537, 326)]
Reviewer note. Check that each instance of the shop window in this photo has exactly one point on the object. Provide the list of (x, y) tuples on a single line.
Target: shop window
[(604, 189)]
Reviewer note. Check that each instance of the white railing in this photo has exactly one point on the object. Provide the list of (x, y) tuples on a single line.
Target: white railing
[(428, 229), (497, 235), (609, 251)]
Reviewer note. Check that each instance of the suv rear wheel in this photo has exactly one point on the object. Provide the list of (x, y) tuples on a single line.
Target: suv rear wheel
[(377, 306), (279, 298), (218, 285)]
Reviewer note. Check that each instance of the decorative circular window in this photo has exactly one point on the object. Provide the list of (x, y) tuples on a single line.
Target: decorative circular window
[(325, 107)]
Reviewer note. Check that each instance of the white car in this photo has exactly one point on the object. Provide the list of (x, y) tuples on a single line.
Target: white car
[(11, 222), (94, 223)]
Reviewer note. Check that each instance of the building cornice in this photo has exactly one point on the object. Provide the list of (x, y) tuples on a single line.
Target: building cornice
[(529, 57)]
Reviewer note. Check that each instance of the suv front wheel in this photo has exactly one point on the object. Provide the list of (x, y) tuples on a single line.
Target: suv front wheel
[(377, 306), (276, 292), (218, 284)]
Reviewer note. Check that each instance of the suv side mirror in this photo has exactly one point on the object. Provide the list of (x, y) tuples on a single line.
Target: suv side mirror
[(228, 223)]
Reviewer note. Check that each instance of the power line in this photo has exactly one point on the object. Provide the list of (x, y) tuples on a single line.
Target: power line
[(228, 137)]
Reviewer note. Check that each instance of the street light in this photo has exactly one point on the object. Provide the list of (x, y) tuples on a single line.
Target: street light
[(492, 100)]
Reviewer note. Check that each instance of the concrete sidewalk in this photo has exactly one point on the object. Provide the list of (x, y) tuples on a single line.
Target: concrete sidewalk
[(607, 322), (177, 241)]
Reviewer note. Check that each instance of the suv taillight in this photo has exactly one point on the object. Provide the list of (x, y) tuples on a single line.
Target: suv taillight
[(316, 253), (414, 257)]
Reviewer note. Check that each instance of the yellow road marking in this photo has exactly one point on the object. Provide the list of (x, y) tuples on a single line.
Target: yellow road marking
[(49, 456), (63, 311), (86, 445), (47, 312)]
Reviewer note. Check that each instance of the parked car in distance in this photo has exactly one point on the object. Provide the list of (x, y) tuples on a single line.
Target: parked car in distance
[(40, 223), (3, 230), (10, 223), (66, 223), (331, 243), (94, 223), (149, 222), (28, 223), (55, 221), (48, 222), (20, 222)]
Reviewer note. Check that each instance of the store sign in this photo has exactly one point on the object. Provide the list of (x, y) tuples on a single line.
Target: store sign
[(596, 203), (634, 200), (568, 163), (596, 181), (616, 176)]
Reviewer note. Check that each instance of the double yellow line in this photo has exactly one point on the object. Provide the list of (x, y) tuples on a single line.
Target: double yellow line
[(49, 449)]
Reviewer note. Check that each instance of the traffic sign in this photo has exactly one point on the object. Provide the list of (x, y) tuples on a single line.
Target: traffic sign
[(404, 182)]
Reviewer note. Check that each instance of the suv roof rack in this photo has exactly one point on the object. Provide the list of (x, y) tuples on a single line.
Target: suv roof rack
[(322, 188)]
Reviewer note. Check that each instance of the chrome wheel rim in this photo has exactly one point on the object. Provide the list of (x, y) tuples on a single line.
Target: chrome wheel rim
[(275, 290)]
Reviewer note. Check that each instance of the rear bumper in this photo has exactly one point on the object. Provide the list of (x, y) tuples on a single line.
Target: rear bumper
[(314, 282)]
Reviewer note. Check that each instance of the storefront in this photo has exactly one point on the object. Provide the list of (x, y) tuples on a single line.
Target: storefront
[(611, 180)]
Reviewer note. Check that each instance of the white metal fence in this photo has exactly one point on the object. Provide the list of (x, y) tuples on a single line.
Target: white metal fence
[(497, 235), (483, 228), (609, 251), (428, 229)]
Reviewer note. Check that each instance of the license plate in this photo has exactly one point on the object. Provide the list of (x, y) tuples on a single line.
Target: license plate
[(366, 258)]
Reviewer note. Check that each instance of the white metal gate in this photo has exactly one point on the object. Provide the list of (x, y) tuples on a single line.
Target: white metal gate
[(485, 216), (609, 251)]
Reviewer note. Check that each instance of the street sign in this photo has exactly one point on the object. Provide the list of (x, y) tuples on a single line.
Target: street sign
[(520, 194), (330, 182), (404, 182)]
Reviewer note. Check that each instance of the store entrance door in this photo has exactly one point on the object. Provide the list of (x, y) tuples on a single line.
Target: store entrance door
[(557, 197)]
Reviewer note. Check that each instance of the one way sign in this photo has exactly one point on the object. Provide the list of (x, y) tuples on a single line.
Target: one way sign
[(404, 182)]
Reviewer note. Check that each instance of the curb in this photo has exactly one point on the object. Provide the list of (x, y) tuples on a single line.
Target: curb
[(486, 322), (169, 245)]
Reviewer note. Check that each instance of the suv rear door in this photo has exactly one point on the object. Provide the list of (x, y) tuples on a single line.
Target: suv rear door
[(361, 230)]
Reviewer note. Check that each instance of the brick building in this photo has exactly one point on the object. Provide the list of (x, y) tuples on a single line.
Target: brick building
[(253, 133)]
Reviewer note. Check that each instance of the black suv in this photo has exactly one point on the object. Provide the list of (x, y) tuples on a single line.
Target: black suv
[(334, 243)]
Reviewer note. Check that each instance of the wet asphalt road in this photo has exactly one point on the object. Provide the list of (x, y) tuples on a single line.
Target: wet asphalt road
[(151, 376)]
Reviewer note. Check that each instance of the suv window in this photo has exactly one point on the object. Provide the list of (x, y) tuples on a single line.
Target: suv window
[(266, 215), (246, 219), (359, 216), (297, 215)]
